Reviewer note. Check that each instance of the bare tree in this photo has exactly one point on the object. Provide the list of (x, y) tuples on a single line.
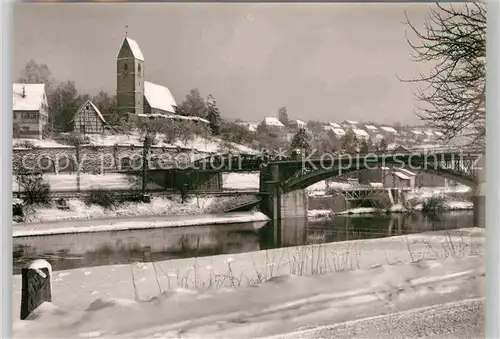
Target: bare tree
[(452, 93)]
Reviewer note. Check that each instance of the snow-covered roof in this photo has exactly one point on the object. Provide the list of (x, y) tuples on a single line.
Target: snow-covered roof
[(299, 122), (439, 134), (417, 132), (360, 132), (388, 129), (88, 102), (272, 121), (334, 124), (378, 137), (407, 172), (371, 127), (338, 131), (32, 99), (429, 133), (159, 97), (350, 122), (134, 47), (401, 175)]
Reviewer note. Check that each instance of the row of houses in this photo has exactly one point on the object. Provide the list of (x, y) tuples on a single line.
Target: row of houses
[(361, 131)]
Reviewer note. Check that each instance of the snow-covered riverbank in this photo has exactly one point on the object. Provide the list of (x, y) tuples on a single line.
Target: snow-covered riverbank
[(344, 281)]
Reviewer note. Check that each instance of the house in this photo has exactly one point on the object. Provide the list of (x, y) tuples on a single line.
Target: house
[(347, 123), (338, 132), (360, 133), (389, 130), (29, 110), (88, 119), (402, 180), (135, 95), (334, 125), (297, 124), (272, 123), (401, 150), (371, 128), (249, 126)]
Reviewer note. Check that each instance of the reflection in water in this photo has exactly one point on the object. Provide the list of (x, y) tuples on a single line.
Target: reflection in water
[(119, 247)]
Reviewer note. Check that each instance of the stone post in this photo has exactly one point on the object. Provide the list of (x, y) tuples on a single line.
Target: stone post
[(36, 286), (479, 199)]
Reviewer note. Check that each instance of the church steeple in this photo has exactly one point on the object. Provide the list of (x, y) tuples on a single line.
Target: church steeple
[(130, 77)]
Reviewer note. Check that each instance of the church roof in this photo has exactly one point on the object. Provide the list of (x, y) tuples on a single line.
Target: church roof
[(31, 100), (134, 47), (159, 97)]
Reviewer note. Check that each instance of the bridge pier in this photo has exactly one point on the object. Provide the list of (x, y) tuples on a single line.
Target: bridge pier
[(479, 198), (280, 207)]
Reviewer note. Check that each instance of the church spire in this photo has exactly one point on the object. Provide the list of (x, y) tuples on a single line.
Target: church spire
[(126, 31)]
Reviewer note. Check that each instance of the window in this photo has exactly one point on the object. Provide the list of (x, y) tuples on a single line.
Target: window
[(125, 67), (139, 69)]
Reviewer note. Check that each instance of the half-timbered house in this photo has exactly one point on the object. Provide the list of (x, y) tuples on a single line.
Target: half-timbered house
[(88, 119)]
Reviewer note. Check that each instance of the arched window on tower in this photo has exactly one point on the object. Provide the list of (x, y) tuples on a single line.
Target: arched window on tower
[(139, 69), (125, 67)]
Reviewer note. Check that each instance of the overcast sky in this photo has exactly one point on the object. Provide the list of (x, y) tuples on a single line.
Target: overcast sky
[(323, 61)]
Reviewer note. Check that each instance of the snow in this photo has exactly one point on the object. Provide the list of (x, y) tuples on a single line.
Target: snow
[(371, 128), (319, 213), (404, 170), (18, 143), (159, 97), (208, 145), (360, 132), (119, 225), (439, 134), (33, 100), (68, 182), (38, 264), (271, 121), (158, 208), (298, 288), (240, 181), (334, 125), (417, 132), (134, 47), (388, 129), (299, 123)]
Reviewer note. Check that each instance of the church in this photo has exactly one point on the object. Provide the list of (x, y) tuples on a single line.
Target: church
[(134, 94)]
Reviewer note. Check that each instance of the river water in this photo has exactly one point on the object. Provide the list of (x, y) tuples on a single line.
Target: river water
[(121, 247)]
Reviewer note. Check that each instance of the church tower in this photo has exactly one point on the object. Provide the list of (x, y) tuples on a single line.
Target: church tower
[(130, 78)]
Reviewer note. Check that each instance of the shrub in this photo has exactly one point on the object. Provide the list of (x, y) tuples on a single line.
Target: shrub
[(34, 189), (102, 198), (433, 204)]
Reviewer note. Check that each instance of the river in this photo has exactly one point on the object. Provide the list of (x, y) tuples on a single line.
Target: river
[(68, 251)]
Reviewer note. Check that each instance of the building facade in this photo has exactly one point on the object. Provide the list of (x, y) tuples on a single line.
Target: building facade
[(88, 120), (30, 110)]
